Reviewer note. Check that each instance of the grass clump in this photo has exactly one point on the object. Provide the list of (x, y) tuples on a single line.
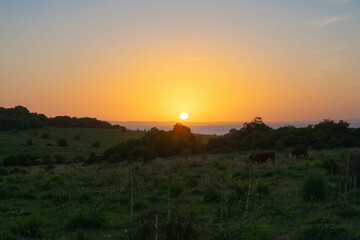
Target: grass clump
[(326, 231), (82, 219), (191, 179), (314, 188), (263, 189), (330, 165), (176, 188), (28, 228)]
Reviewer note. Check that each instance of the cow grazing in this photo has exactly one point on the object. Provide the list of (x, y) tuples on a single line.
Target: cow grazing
[(262, 157), (299, 152)]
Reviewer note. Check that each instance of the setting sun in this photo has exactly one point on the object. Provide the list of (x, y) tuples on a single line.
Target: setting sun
[(183, 115)]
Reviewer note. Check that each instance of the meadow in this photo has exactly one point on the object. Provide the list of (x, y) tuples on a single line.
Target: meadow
[(201, 196)]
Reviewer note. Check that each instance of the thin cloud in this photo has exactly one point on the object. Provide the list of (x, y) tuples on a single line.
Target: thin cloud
[(326, 21)]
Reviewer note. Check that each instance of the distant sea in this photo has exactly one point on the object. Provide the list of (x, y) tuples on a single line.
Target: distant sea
[(218, 128)]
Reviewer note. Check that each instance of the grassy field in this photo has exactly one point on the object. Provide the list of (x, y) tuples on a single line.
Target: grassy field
[(196, 197), (15, 142)]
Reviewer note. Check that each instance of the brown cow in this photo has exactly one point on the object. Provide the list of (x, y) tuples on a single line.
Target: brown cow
[(299, 152), (262, 157)]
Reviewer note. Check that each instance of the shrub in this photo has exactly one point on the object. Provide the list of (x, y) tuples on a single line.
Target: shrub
[(263, 189), (29, 142), (96, 144), (330, 165), (91, 219), (29, 228), (314, 188), (62, 142)]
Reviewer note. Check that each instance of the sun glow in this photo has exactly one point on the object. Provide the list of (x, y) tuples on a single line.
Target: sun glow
[(183, 115)]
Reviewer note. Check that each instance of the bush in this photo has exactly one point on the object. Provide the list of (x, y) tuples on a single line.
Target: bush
[(96, 144), (29, 142), (62, 142), (144, 153), (29, 228), (314, 188)]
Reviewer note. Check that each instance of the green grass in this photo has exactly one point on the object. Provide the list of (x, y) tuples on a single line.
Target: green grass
[(202, 196), (15, 142)]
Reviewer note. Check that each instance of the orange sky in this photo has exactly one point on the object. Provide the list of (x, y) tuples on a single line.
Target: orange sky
[(215, 60)]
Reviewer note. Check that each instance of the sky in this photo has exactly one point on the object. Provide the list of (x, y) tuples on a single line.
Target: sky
[(150, 60)]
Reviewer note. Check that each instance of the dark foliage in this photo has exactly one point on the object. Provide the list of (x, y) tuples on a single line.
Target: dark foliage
[(20, 118), (96, 144), (314, 188), (257, 135), (87, 219), (156, 143), (20, 160), (28, 228)]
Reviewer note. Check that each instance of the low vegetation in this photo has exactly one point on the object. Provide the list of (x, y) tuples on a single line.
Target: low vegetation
[(171, 185)]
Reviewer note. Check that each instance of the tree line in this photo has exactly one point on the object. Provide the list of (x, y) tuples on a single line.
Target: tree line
[(19, 118), (254, 135), (327, 134)]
